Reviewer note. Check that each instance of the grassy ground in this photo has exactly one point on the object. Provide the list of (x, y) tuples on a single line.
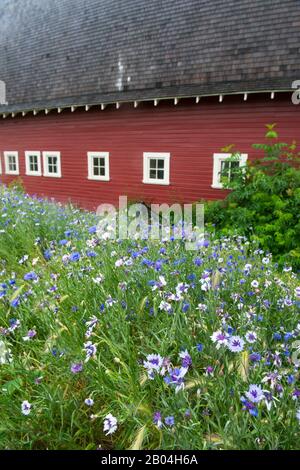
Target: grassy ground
[(81, 318)]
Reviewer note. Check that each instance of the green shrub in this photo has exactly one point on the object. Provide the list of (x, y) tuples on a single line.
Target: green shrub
[(265, 200)]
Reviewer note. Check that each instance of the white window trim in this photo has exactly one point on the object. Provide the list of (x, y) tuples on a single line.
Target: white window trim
[(91, 156), (13, 154), (37, 154), (218, 158), (146, 167), (46, 155)]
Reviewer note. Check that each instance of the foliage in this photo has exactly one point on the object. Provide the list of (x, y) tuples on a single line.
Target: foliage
[(265, 200), (80, 317)]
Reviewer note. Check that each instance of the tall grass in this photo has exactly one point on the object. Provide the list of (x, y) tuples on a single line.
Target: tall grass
[(144, 298)]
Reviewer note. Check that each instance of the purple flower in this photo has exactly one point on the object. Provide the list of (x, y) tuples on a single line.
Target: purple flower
[(176, 378), (186, 359), (31, 334), (236, 344), (296, 394), (251, 336), (157, 419), (76, 367), (248, 406), (209, 370), (154, 363), (219, 338), (255, 393)]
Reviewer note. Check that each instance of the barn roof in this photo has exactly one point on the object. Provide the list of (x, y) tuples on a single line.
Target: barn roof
[(73, 52)]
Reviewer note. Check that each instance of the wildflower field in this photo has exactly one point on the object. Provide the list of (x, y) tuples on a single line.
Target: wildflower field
[(139, 344)]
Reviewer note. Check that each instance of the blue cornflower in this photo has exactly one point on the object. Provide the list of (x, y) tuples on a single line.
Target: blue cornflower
[(277, 336), (75, 257), (290, 379), (198, 261), (199, 347), (47, 255), (170, 421), (30, 276), (253, 411), (288, 336), (63, 242), (15, 303), (255, 357)]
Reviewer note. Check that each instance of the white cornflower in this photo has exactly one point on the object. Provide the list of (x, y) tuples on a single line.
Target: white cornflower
[(110, 424)]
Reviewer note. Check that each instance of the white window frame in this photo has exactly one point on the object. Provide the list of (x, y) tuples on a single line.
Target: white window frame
[(46, 156), (8, 154), (218, 159), (91, 156), (146, 167), (33, 153)]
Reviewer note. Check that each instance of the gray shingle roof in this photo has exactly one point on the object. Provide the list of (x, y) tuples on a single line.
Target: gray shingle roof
[(59, 52)]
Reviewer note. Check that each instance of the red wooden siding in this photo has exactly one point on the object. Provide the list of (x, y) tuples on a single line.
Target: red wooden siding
[(190, 132)]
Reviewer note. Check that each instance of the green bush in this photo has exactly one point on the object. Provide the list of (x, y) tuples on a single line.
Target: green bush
[(264, 201)]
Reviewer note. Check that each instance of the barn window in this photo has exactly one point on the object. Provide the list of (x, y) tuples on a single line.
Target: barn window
[(156, 168), (52, 164), (98, 166), (225, 165), (11, 160), (33, 163)]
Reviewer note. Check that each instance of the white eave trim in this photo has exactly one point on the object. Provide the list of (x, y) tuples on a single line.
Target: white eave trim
[(117, 104)]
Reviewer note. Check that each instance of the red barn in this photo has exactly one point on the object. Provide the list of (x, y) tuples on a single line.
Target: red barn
[(101, 98)]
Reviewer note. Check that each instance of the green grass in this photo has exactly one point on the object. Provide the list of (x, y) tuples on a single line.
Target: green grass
[(208, 411)]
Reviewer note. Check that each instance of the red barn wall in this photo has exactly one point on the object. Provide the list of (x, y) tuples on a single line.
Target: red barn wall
[(191, 132)]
